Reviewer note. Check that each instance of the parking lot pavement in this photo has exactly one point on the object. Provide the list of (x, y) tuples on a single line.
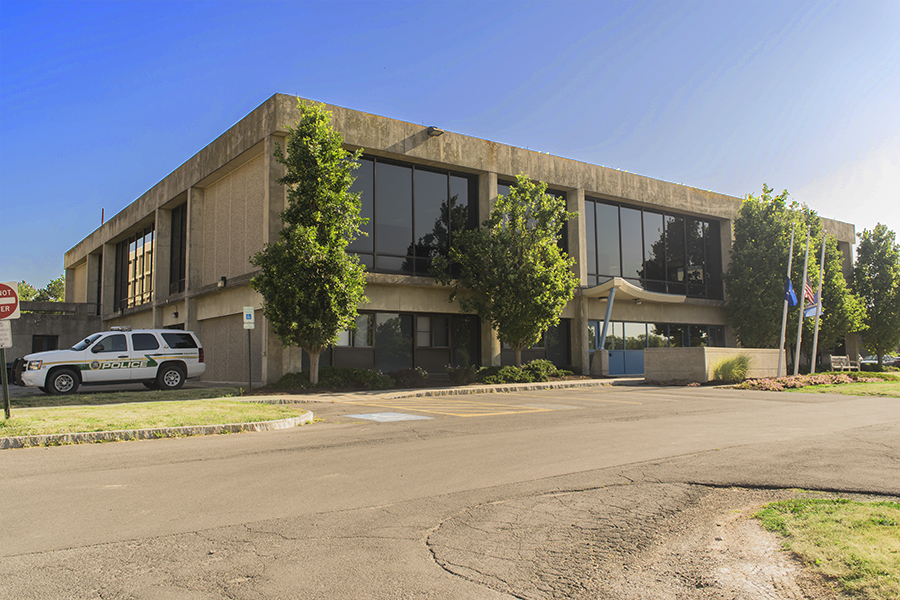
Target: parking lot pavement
[(353, 508)]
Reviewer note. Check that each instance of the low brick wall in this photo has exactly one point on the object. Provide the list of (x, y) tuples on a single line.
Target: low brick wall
[(698, 364)]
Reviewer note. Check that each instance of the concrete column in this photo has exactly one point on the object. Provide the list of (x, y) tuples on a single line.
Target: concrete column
[(578, 234), (276, 194), (162, 249), (490, 346), (581, 356), (108, 287), (69, 279), (273, 352), (194, 277), (91, 293), (726, 238), (487, 195), (190, 316)]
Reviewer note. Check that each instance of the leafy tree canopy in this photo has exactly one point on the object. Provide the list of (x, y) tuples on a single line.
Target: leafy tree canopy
[(55, 291), (755, 280), (518, 277), (876, 278), (311, 286)]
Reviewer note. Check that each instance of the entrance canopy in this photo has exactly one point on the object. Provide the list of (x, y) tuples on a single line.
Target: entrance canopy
[(628, 291)]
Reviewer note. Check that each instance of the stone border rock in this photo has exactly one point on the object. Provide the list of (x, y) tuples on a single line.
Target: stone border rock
[(56, 439)]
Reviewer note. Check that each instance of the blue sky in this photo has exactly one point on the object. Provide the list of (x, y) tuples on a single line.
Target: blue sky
[(101, 100)]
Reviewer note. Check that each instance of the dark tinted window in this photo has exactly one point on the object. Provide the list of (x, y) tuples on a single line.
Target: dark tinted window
[(179, 340), (632, 246), (393, 209), (112, 343), (607, 240), (144, 341)]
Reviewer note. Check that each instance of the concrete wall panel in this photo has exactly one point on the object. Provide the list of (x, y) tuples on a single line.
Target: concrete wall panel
[(233, 229), (225, 349)]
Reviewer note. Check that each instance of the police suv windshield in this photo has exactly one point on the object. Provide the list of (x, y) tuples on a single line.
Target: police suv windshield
[(86, 342)]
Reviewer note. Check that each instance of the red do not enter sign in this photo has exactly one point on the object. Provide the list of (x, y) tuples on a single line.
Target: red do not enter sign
[(9, 300)]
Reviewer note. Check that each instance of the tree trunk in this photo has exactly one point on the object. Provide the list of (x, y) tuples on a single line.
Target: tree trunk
[(314, 354), (518, 352)]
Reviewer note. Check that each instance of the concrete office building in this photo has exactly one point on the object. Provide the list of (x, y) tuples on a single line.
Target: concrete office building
[(178, 256)]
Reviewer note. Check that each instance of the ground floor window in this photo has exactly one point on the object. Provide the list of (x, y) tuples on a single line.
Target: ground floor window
[(42, 343), (389, 341), (623, 335), (554, 347)]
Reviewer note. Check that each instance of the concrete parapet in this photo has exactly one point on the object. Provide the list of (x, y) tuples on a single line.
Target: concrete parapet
[(698, 364)]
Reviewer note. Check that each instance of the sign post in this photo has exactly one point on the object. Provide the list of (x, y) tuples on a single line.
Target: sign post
[(9, 309), (249, 323)]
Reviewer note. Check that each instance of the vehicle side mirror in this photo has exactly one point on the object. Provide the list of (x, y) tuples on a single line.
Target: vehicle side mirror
[(98, 348)]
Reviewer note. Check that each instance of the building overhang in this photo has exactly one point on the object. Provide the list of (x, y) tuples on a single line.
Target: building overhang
[(628, 291)]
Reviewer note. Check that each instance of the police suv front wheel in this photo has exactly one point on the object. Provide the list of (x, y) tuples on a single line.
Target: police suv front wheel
[(62, 381), (170, 377)]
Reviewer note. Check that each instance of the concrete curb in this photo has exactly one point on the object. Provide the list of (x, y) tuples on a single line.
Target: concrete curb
[(57, 439), (499, 388), (432, 392)]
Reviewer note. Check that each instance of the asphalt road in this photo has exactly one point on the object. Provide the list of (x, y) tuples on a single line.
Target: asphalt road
[(355, 508)]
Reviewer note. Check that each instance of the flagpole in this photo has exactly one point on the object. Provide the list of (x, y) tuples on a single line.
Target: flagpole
[(818, 308), (784, 316), (800, 317)]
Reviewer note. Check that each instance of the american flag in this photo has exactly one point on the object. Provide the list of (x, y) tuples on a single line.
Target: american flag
[(808, 292)]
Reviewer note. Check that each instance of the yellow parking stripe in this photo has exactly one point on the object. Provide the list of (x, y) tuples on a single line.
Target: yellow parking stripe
[(451, 408), (580, 398)]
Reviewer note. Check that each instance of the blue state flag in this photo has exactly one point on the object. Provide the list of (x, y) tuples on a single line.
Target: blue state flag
[(789, 294)]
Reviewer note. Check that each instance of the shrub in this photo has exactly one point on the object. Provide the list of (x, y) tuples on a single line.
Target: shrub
[(337, 377), (293, 381), (733, 369), (407, 378), (536, 370), (507, 374), (542, 370), (462, 375)]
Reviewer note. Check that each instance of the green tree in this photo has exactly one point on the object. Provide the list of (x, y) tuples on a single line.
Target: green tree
[(755, 280), (55, 291), (27, 292), (518, 277), (312, 288), (876, 278)]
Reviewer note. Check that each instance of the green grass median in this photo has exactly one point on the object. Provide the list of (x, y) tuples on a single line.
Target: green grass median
[(883, 388), (856, 543), (139, 415)]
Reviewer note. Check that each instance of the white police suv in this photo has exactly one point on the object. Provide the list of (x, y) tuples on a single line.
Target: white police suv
[(158, 358)]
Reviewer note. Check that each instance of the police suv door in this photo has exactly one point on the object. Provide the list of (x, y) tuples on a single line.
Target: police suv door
[(109, 359), (145, 355)]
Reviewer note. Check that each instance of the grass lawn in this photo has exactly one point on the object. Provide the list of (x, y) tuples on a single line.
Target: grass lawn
[(103, 396), (882, 388), (857, 543), (139, 415)]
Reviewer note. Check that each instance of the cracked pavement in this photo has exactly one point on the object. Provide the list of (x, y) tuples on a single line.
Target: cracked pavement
[(605, 499)]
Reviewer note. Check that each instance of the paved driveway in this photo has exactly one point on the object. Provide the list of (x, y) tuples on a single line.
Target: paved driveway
[(352, 507)]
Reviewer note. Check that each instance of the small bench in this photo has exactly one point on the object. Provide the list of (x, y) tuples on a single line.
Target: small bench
[(841, 363)]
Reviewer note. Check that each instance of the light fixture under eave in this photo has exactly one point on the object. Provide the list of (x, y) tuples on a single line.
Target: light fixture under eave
[(221, 282), (434, 131), (637, 301), (175, 315)]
